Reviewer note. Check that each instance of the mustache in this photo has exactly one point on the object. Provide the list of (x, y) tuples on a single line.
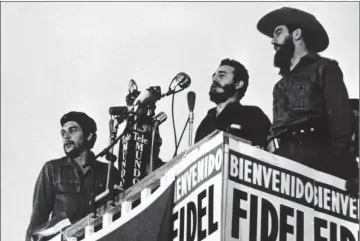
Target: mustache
[(278, 46), (68, 142), (215, 84)]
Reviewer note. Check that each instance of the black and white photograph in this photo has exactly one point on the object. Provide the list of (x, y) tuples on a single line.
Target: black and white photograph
[(186, 121)]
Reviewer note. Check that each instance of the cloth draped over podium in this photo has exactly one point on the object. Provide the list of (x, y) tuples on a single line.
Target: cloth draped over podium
[(153, 224)]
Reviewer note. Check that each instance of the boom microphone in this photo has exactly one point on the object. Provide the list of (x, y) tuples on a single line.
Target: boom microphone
[(160, 118), (183, 80)]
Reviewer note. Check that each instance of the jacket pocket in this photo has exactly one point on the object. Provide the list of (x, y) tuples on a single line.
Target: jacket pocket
[(299, 95), (67, 187), (67, 197)]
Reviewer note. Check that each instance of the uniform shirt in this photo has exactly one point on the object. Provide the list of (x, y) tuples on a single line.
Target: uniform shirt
[(247, 122), (63, 187), (314, 95)]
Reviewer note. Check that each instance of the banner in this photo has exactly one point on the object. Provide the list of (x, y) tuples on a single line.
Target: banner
[(197, 195), (153, 224), (267, 202)]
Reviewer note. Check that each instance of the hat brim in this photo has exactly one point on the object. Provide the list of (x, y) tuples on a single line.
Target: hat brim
[(291, 16)]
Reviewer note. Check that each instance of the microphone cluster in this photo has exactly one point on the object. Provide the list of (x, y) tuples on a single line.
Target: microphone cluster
[(146, 99), (153, 94)]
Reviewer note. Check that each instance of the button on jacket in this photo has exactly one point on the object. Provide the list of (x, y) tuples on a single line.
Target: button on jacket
[(247, 122), (63, 187)]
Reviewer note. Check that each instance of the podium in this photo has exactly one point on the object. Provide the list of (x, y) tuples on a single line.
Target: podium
[(222, 188)]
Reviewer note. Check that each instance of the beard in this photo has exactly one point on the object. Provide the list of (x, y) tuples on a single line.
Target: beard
[(75, 151), (282, 58), (217, 98)]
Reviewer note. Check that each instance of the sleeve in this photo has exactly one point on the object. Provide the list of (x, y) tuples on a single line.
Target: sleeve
[(43, 200), (341, 116), (261, 127)]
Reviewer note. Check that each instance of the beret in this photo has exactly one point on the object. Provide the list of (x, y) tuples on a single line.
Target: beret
[(87, 124)]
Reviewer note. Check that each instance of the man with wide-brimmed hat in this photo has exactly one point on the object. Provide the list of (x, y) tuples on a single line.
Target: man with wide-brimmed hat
[(312, 118), (67, 187)]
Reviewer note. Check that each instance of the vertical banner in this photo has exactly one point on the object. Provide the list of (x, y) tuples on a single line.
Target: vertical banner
[(197, 199), (269, 202)]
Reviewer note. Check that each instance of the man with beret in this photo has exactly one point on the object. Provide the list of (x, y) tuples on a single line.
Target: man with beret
[(229, 84), (67, 187), (312, 118)]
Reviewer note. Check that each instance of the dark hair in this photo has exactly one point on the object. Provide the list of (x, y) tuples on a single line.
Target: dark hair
[(306, 34), (240, 73), (91, 142), (87, 124)]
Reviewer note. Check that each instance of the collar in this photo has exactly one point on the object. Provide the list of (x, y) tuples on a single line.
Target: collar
[(67, 161), (304, 60), (309, 58), (228, 110)]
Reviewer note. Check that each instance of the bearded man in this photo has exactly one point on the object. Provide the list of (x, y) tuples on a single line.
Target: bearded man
[(313, 120), (67, 187), (229, 84)]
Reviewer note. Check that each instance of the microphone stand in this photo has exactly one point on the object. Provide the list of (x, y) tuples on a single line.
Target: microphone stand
[(191, 122), (107, 149), (111, 159)]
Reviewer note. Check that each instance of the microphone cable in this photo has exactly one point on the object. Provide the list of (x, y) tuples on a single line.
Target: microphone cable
[(173, 121), (178, 144)]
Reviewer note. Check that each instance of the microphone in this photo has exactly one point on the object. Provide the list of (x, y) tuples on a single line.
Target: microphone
[(152, 94), (183, 80), (142, 97), (160, 118), (118, 110), (191, 97)]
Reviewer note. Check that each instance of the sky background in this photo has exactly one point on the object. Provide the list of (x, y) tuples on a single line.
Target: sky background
[(60, 57)]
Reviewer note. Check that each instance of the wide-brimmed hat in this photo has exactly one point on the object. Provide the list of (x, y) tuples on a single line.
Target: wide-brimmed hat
[(291, 16)]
